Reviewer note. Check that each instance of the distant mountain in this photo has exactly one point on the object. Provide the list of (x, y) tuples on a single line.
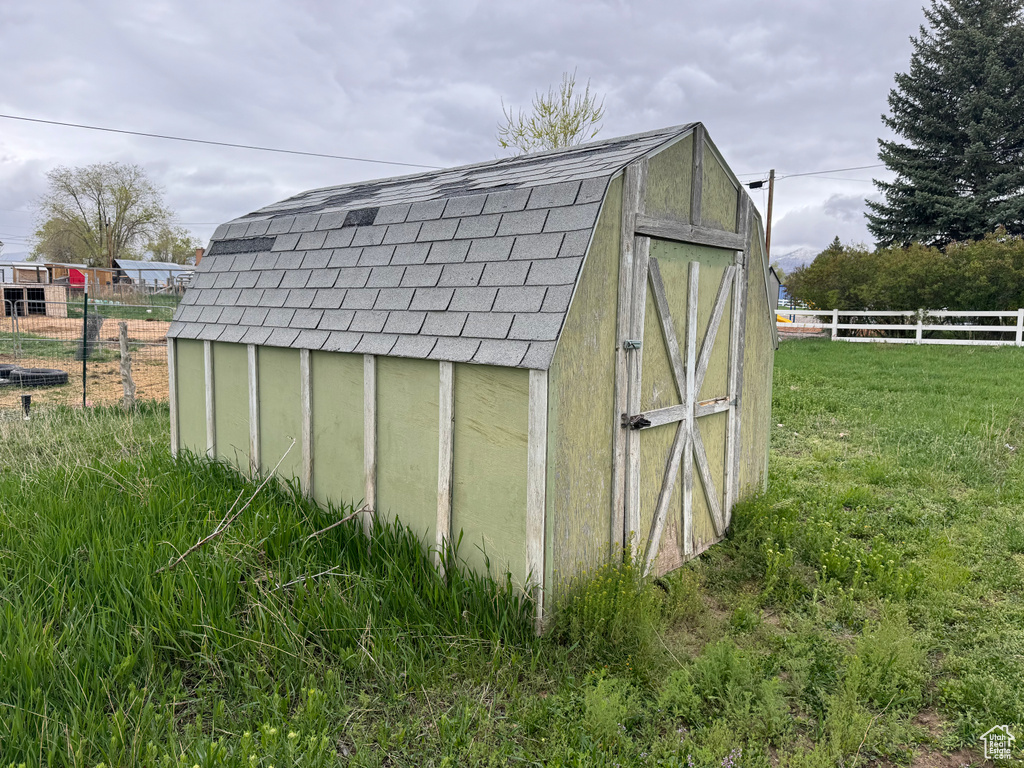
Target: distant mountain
[(794, 259), (9, 256)]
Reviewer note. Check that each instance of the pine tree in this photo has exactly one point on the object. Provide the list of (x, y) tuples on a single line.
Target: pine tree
[(960, 110)]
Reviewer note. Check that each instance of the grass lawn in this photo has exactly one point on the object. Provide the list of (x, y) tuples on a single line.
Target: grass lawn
[(868, 609)]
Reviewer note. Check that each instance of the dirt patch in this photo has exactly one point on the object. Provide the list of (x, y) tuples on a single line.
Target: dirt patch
[(66, 329)]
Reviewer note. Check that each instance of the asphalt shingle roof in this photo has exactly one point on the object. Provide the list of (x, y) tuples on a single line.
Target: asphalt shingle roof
[(472, 264)]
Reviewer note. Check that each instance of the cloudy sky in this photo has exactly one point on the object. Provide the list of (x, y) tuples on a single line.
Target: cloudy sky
[(795, 85)]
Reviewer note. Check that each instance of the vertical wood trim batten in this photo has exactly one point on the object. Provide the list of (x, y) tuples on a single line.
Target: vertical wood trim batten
[(697, 188), (631, 202), (690, 402), (737, 332), (254, 412), (369, 439), (446, 430), (306, 405), (211, 423), (536, 485), (741, 343), (172, 395)]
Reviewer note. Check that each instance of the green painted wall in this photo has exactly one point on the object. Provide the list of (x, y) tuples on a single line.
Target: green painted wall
[(191, 381), (337, 417), (231, 401), (758, 362), (581, 408), (718, 195), (669, 178), (407, 442), (280, 410), (489, 466)]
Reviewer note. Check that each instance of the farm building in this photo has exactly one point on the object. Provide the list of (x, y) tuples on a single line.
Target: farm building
[(550, 355)]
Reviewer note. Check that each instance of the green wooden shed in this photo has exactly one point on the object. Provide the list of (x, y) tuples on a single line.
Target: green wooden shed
[(553, 355)]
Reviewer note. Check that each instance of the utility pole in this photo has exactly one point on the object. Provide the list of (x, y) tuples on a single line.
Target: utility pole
[(771, 199)]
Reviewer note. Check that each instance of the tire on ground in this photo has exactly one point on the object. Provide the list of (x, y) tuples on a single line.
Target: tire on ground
[(39, 377), (6, 369)]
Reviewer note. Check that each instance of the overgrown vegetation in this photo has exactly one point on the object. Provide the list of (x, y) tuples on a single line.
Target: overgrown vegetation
[(866, 608)]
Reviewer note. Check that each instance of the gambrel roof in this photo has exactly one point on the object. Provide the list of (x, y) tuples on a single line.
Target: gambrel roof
[(477, 263)]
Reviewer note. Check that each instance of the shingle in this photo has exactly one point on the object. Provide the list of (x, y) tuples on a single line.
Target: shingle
[(376, 344), (477, 226), (506, 200), (190, 314), (557, 299), (461, 274), (505, 353), (265, 261), (487, 325), (246, 279), (491, 249), (432, 298), (519, 299), (299, 298), (220, 263), (522, 223), (442, 229), (385, 277), (273, 297), (332, 220), (575, 243), (336, 319), (221, 232), (505, 273), (286, 242), (204, 280), (254, 315), (444, 323), (539, 355), (316, 259), (345, 257), (404, 322), (190, 331), (281, 337), (243, 261), (233, 334), (310, 339), (280, 224), (392, 214), (250, 297), (257, 228), (375, 256), (359, 298), (353, 277), (271, 278), (473, 299), (393, 298), (210, 332), (322, 278), (207, 296), (410, 253), (341, 341), (592, 190), (536, 326), (573, 217), (537, 246), (256, 335), (174, 329), (550, 195), (295, 278), (328, 298), (306, 318), (554, 272), (429, 209), (369, 236), (448, 251), (231, 315), (455, 349), (279, 318), (413, 346), (339, 238), (209, 314), (424, 275), (470, 205), (290, 259), (402, 233), (305, 222)]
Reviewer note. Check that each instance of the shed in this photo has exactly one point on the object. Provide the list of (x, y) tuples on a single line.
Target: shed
[(151, 274), (553, 355)]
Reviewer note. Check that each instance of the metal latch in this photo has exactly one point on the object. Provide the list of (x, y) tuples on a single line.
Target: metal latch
[(635, 422), (632, 344)]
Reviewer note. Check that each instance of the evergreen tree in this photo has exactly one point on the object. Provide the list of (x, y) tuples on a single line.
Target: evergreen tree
[(960, 110)]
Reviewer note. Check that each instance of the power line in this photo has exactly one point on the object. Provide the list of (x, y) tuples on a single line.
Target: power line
[(215, 143)]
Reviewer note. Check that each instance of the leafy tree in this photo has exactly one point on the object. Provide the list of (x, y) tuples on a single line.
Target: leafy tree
[(173, 244), (558, 120), (960, 112), (98, 213)]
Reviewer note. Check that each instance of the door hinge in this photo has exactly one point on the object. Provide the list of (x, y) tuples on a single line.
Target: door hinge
[(635, 422)]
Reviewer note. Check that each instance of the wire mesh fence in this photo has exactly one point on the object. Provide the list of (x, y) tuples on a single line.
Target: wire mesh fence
[(83, 352)]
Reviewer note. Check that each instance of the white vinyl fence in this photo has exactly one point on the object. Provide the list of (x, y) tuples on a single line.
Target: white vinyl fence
[(926, 326)]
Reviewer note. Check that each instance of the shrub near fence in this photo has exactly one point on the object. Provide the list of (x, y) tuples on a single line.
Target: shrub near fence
[(84, 342), (925, 326)]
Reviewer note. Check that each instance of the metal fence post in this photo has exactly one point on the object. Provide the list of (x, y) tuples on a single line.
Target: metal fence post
[(85, 339), (835, 324), (1019, 339)]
